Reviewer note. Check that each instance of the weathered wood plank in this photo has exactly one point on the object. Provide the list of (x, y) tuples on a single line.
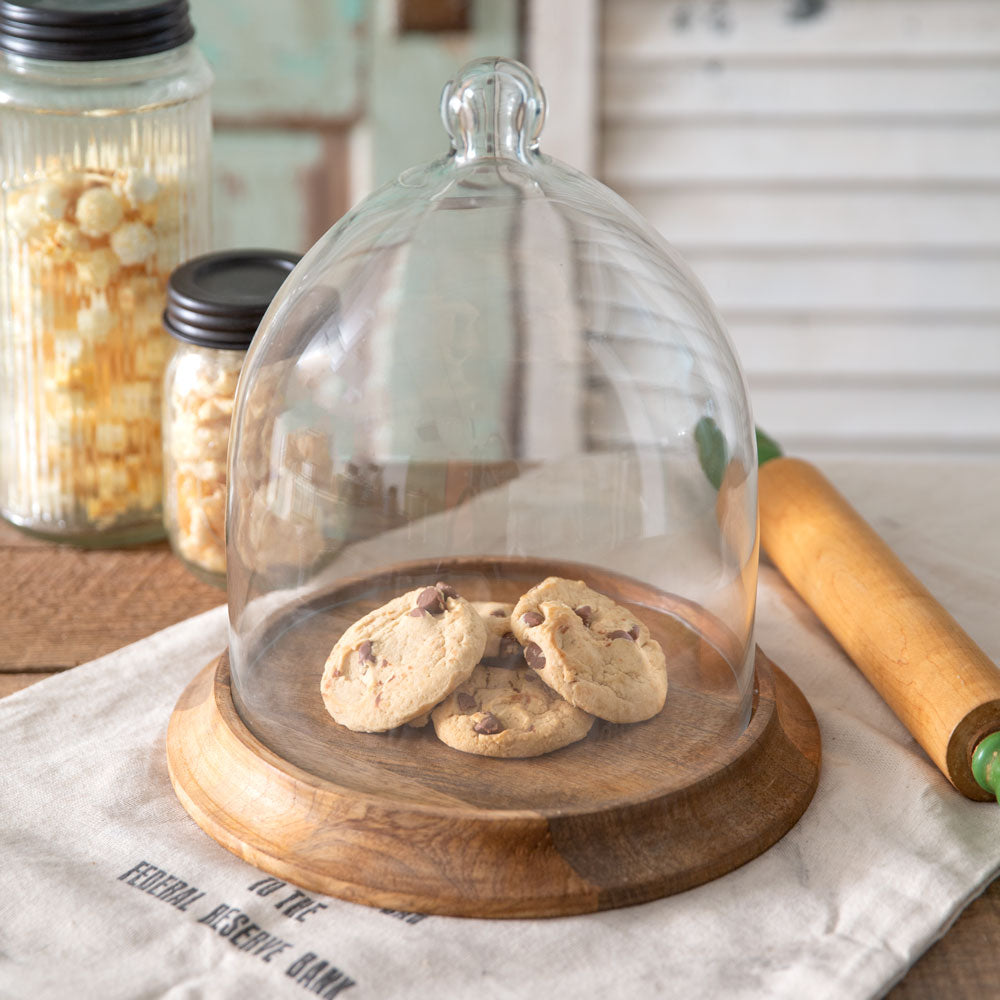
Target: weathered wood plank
[(792, 345), (960, 284), (964, 962), (564, 48), (664, 92), (67, 606), (668, 29), (797, 410), (820, 216), (9, 683), (405, 78), (888, 412), (796, 345), (266, 184), (11, 538), (287, 60), (637, 154)]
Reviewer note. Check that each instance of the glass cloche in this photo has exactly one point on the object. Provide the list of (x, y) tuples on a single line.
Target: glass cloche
[(492, 511)]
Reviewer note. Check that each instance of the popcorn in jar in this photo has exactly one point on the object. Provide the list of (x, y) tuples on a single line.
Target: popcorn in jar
[(214, 305), (105, 189)]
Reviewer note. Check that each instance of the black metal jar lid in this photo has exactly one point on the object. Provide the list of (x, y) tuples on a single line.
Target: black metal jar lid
[(93, 30), (218, 299)]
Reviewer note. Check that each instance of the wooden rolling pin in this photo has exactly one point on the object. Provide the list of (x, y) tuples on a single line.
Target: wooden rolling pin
[(940, 684)]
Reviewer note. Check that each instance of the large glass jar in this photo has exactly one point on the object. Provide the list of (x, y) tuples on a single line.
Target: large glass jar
[(104, 111), (214, 305)]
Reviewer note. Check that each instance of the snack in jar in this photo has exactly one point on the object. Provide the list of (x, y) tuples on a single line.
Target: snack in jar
[(105, 189), (214, 304)]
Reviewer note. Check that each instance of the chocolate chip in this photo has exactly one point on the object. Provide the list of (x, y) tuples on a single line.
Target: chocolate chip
[(431, 601), (634, 632), (417, 613), (445, 590), (619, 634), (498, 613), (365, 654), (534, 655), (586, 614), (488, 725), (465, 701), (532, 618), (510, 654)]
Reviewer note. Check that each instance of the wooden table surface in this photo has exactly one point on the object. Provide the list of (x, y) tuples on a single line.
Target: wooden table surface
[(65, 606)]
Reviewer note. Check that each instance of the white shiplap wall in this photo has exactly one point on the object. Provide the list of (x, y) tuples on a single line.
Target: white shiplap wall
[(832, 173)]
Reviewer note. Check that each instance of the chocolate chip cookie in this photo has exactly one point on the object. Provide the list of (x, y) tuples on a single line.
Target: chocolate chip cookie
[(401, 659), (502, 648), (508, 712), (592, 651)]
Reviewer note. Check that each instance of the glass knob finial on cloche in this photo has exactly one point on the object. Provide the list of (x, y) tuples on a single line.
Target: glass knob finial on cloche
[(493, 107)]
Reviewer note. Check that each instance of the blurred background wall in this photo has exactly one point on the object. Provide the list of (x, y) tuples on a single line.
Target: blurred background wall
[(317, 102), (829, 168)]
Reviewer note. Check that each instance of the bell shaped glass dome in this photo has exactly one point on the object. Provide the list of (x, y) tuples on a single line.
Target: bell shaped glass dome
[(489, 393)]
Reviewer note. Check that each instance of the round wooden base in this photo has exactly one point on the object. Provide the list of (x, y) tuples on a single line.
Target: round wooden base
[(386, 846)]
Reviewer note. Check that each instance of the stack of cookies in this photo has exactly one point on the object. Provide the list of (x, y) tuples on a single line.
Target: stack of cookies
[(498, 680)]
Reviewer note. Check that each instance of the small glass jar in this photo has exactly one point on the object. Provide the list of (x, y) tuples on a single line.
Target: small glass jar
[(104, 111), (214, 305)]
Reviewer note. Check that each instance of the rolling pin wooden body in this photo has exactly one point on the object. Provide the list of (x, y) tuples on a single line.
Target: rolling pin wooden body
[(940, 684)]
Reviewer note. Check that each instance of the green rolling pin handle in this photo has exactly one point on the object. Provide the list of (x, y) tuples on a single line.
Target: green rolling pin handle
[(767, 447), (986, 764), (713, 451)]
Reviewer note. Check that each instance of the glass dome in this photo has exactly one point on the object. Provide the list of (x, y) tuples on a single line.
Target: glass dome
[(490, 373)]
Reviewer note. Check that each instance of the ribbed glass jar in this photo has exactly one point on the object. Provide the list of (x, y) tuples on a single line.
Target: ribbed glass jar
[(105, 189)]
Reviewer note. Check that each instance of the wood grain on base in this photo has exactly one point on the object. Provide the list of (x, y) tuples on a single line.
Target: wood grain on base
[(385, 848)]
